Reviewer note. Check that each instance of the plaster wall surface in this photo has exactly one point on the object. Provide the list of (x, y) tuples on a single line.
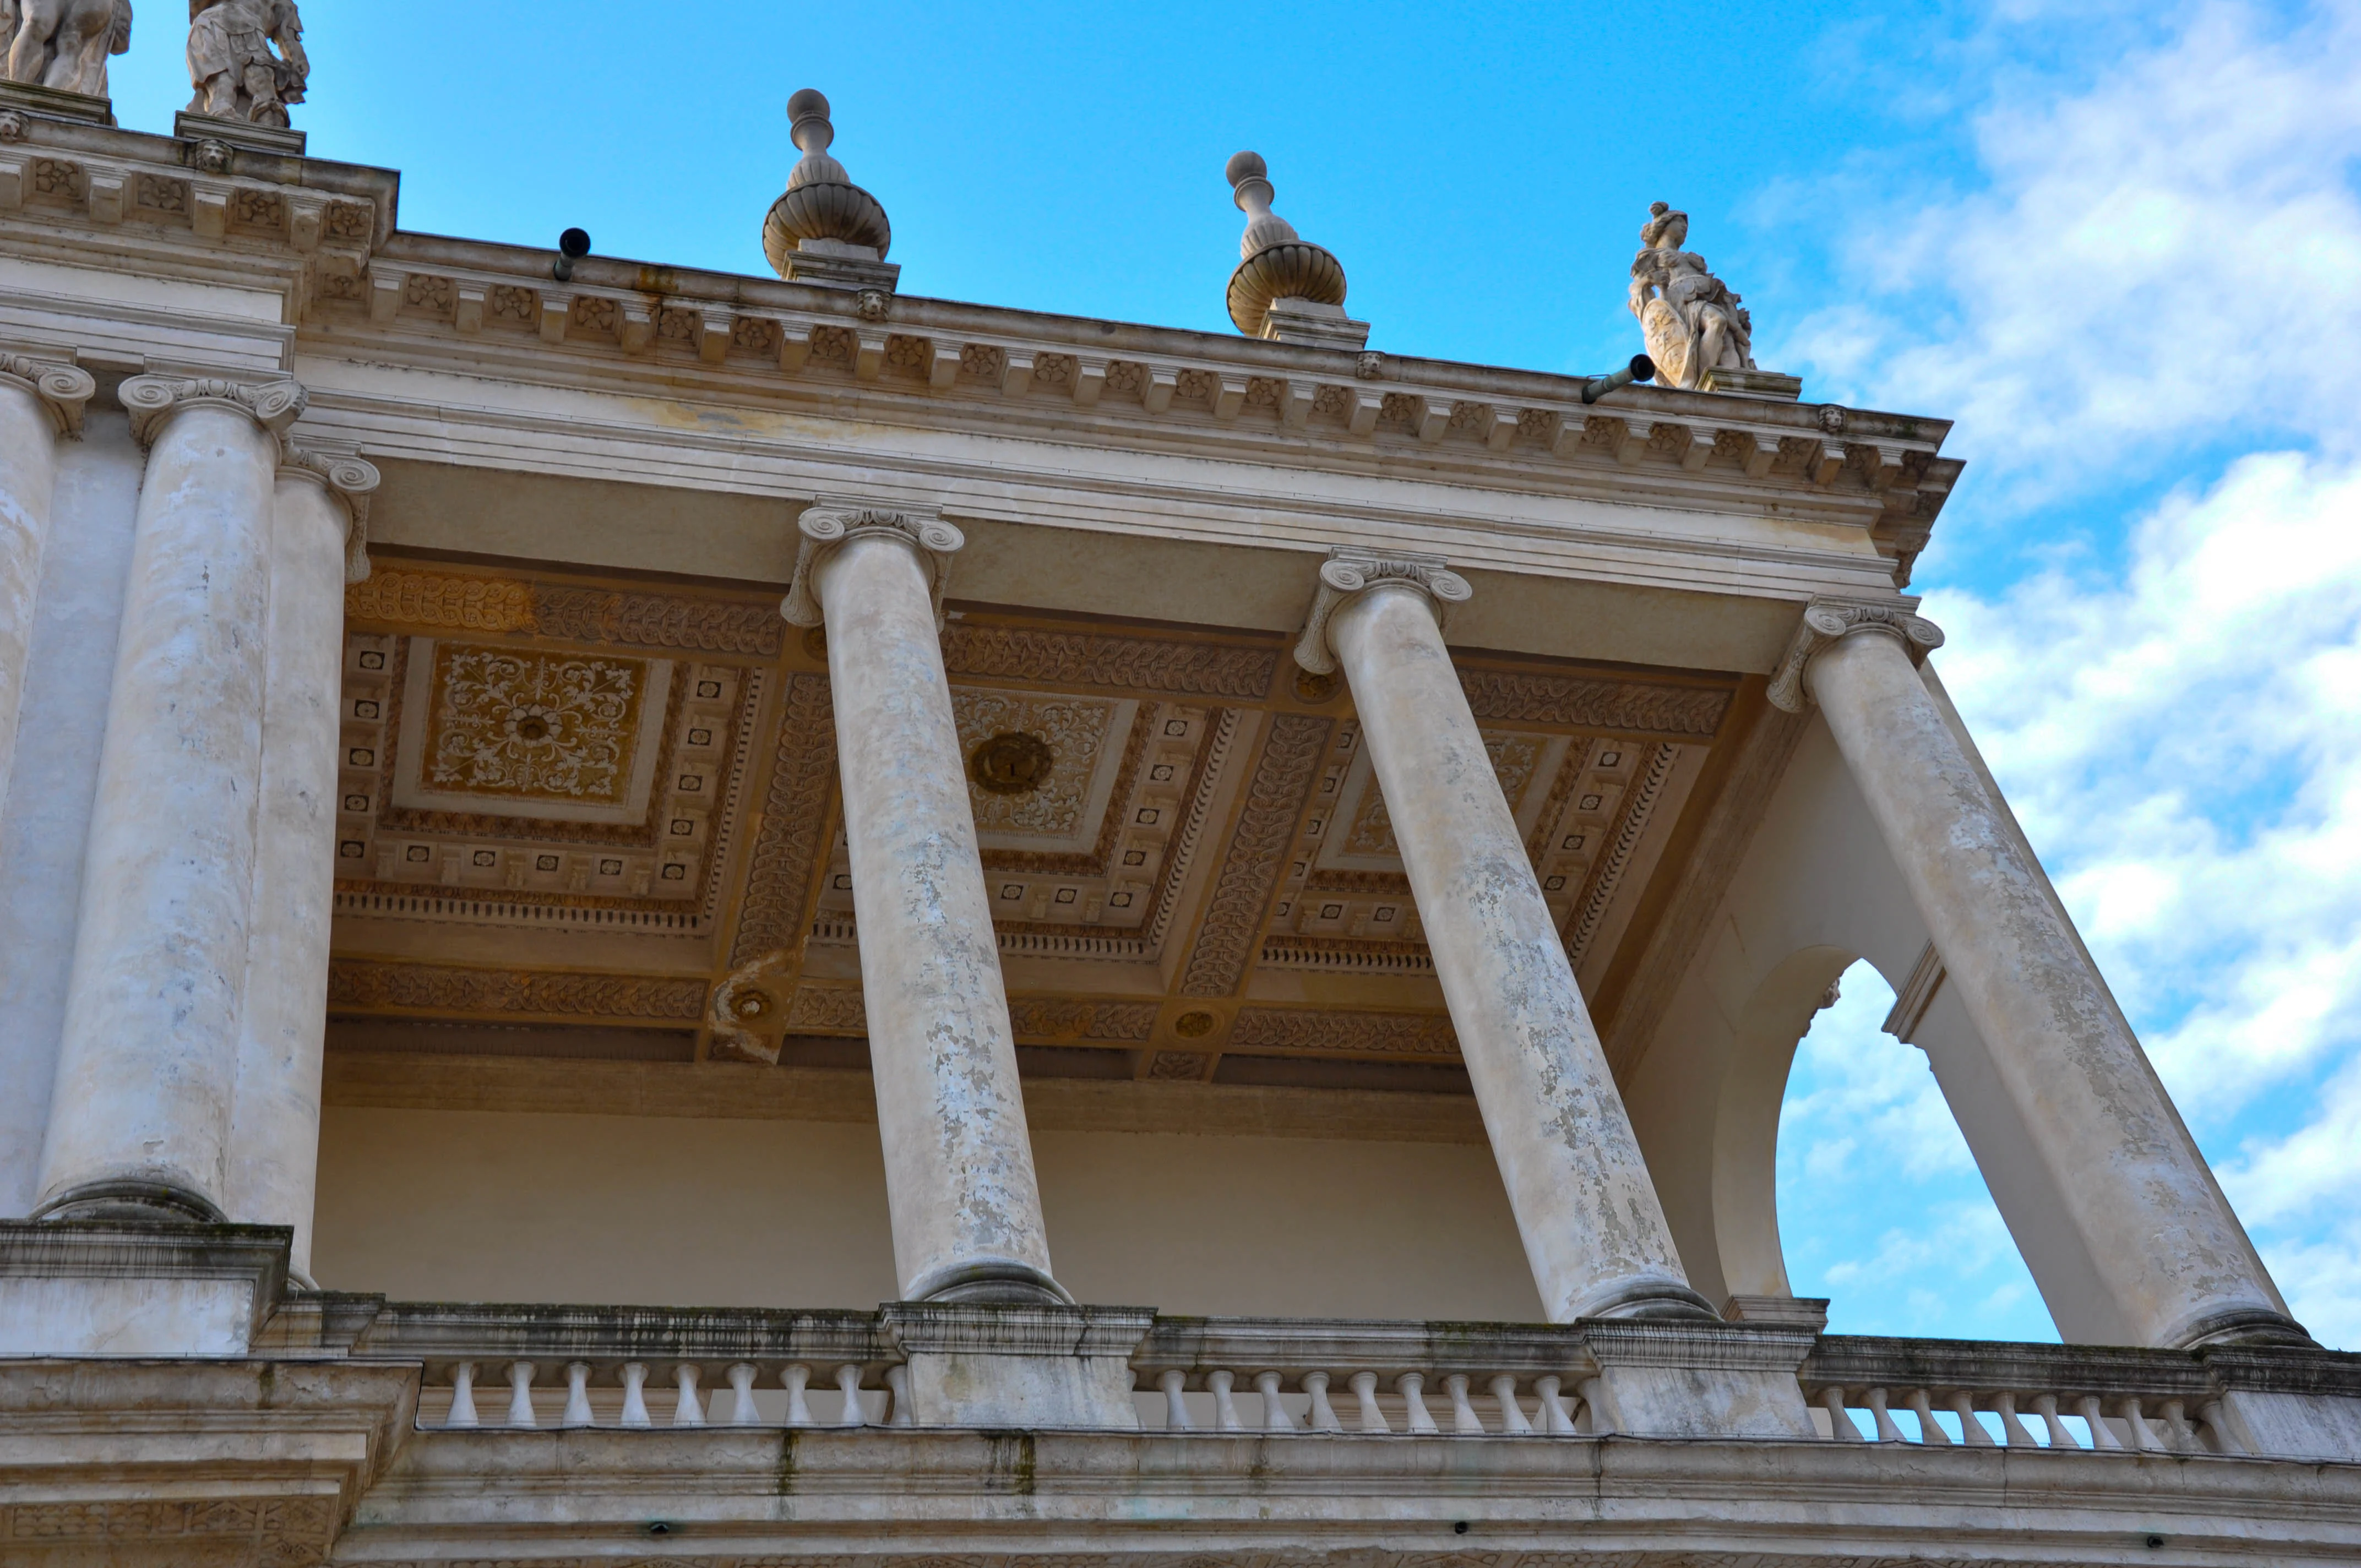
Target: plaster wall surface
[(434, 1205), (46, 818)]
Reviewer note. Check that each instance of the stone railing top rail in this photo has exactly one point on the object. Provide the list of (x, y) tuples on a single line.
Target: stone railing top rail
[(2108, 1371)]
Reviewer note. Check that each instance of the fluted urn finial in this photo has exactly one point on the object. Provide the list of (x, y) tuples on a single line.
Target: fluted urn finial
[(1285, 287), (825, 229)]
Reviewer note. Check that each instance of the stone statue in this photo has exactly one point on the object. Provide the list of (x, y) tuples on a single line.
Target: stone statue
[(230, 64), (1690, 319), (62, 44)]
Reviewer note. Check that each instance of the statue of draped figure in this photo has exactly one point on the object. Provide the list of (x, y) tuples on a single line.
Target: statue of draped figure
[(1690, 319)]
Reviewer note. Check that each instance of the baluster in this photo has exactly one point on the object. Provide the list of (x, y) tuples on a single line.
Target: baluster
[(521, 1394), (897, 1381), (2015, 1430), (1513, 1415), (1555, 1423), (2218, 1427), (1276, 1417), (635, 1394), (2046, 1406), (1364, 1389), (1323, 1417), (798, 1378), (1888, 1429), (1464, 1418), (1977, 1434), (1841, 1427), (2102, 1434), (2143, 1437), (1597, 1418), (848, 1383), (742, 1412), (688, 1410), (577, 1395), (1411, 1386), (463, 1395), (1930, 1431), (1226, 1414), (1176, 1406), (2177, 1434)]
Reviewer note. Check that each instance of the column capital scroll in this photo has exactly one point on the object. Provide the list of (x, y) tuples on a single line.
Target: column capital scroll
[(1826, 623), (1348, 572), (349, 477), (152, 400), (62, 389), (828, 524)]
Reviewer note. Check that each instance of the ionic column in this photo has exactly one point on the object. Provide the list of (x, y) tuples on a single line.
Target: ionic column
[(40, 404), (959, 1161), (1593, 1229), (274, 1147), (2156, 1224), (140, 1121)]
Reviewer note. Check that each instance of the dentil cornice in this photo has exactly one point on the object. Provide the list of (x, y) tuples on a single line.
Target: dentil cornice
[(1349, 572), (1829, 622)]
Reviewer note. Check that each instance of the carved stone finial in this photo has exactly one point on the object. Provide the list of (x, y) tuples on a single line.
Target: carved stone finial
[(1692, 322), (1348, 572), (63, 45), (233, 72), (828, 524), (825, 229), (62, 389), (1285, 287), (351, 479), (1828, 622), (152, 400)]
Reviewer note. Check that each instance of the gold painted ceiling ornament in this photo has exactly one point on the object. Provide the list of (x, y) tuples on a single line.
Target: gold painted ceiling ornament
[(1012, 762)]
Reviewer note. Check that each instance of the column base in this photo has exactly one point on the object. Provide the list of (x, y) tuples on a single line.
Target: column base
[(1646, 1297), (2244, 1325), (138, 1202), (995, 1282), (1019, 1366)]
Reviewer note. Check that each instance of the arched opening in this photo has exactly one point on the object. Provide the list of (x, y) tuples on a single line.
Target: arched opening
[(1880, 1205)]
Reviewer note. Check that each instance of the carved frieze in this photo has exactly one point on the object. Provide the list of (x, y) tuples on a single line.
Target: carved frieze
[(451, 600), (1276, 798), (363, 986), (775, 908), (1589, 702), (1321, 1031), (1094, 659)]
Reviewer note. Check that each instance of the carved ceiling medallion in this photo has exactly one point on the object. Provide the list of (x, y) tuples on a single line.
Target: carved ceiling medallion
[(1011, 762)]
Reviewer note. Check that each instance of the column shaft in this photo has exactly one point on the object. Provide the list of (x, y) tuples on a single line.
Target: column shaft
[(37, 404), (959, 1161), (139, 1120), (274, 1149), (2156, 1222), (1592, 1226)]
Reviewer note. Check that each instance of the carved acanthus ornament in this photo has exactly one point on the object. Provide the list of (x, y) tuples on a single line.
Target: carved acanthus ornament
[(1828, 622), (748, 1010), (62, 389), (828, 525), (1348, 572), (152, 400), (351, 480)]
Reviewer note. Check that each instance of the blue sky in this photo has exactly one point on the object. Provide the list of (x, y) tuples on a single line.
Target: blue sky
[(2120, 244)]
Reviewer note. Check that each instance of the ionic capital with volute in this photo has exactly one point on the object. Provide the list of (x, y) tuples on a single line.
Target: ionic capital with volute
[(1829, 622), (62, 389), (153, 401), (828, 525), (1349, 572), (351, 479)]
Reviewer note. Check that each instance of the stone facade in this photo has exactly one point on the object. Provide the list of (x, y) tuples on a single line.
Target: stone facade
[(1312, 861)]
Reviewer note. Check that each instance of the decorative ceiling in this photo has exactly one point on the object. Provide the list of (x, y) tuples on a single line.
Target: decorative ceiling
[(578, 807)]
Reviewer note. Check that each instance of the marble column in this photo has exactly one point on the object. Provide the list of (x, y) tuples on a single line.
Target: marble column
[(274, 1147), (139, 1119), (2150, 1213), (40, 404), (958, 1160), (1593, 1229)]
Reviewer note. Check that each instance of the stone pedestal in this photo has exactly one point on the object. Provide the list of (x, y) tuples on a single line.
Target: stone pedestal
[(2156, 1226), (139, 1120), (274, 1149), (1588, 1214), (1698, 1379), (1024, 1366), (40, 404), (99, 1289), (958, 1160)]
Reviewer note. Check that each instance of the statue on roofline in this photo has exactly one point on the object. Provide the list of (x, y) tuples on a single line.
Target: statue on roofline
[(230, 65), (62, 44), (1690, 319)]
